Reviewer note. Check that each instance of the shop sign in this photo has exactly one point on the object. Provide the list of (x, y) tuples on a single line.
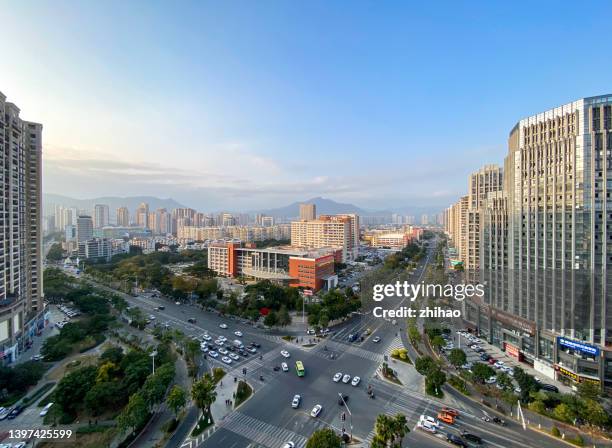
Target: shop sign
[(578, 346)]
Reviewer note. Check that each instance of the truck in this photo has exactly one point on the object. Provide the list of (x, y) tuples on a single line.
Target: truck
[(238, 343)]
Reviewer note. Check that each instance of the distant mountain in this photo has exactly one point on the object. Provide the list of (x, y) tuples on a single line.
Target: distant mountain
[(324, 206), (51, 200)]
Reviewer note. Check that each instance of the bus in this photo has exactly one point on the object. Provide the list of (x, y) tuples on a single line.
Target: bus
[(299, 368)]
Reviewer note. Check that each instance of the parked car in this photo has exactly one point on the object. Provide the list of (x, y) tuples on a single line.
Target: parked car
[(456, 440)]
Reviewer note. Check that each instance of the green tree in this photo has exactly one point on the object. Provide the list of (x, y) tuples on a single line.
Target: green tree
[(134, 414), (414, 335), (425, 364), (177, 399), (271, 320), (589, 390), (104, 396), (153, 390), (112, 354), (399, 428), (56, 253), (192, 348), (538, 406), (323, 320), (457, 357), (504, 381), (203, 393), (526, 382), (593, 413), (564, 413), (383, 431), (482, 371), (284, 318), (324, 438), (438, 342), (73, 387), (434, 381)]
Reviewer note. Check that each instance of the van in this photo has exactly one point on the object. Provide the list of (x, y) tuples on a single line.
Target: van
[(238, 344)]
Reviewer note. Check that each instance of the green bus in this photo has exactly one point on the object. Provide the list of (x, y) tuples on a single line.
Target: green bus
[(299, 368)]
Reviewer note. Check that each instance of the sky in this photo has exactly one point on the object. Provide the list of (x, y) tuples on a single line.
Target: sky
[(240, 105)]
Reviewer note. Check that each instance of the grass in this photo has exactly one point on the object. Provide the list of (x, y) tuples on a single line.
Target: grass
[(288, 338), (243, 393), (90, 429), (202, 425), (218, 374), (458, 384), (399, 358)]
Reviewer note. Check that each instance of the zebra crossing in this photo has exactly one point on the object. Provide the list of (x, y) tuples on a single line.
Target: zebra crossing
[(343, 349), (261, 432), (395, 344)]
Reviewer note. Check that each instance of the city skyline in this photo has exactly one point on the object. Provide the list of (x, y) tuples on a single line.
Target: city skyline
[(238, 147)]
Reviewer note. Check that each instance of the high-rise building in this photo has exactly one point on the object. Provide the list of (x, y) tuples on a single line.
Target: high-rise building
[(547, 245), (100, 216), (142, 215), (21, 304), (341, 231), (123, 217), (424, 219), (308, 212), (84, 228)]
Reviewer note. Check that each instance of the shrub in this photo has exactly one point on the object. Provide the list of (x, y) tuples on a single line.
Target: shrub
[(577, 440), (555, 431)]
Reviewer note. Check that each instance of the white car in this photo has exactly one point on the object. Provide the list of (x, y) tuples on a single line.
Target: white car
[(238, 333), (223, 351), (226, 360), (218, 342), (346, 378), (289, 445), (203, 349), (284, 366), (426, 426), (337, 377), (285, 354), (222, 338), (498, 364), (177, 303), (206, 337), (45, 410), (214, 354), (430, 420), (224, 326), (295, 403), (356, 381), (491, 380), (376, 340), (316, 411), (234, 356)]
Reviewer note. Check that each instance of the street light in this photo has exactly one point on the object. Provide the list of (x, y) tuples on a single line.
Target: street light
[(350, 414), (153, 355)]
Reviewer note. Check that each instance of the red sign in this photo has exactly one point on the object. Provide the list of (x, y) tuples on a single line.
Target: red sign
[(307, 292), (513, 350)]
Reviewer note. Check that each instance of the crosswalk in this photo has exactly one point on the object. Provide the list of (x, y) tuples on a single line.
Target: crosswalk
[(261, 432), (395, 344), (343, 349)]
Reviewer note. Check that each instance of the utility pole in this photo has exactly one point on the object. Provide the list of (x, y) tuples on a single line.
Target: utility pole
[(350, 415), (153, 355)]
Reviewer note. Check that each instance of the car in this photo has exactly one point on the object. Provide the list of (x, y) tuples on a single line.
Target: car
[(346, 378), (343, 399), (206, 337), (19, 445), (310, 331), (203, 348), (238, 333), (191, 320), (549, 388), (37, 357), (223, 351), (177, 303), (484, 357), (491, 380), (251, 349), (429, 419), (471, 437), (234, 356), (517, 390), (45, 410), (3, 413), (222, 338), (161, 307), (446, 418), (455, 440), (285, 354), (498, 364), (467, 366), (224, 326), (295, 403), (255, 344), (492, 361), (289, 445), (316, 410), (284, 366), (15, 412), (451, 411), (218, 342), (356, 381), (376, 340), (426, 425), (337, 377), (226, 360), (213, 354)]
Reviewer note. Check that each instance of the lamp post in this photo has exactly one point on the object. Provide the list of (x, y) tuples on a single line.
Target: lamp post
[(153, 355)]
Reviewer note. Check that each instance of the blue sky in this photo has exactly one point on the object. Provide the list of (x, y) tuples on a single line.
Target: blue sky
[(241, 105)]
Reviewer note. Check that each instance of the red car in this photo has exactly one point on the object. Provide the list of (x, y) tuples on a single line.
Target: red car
[(492, 361)]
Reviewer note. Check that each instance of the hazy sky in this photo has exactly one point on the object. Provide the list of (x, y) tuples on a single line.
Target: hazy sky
[(249, 104)]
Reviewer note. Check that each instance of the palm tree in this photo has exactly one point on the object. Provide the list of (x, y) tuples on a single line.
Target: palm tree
[(399, 425), (203, 393), (383, 427)]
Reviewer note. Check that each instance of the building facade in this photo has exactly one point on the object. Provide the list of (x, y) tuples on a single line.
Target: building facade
[(84, 228), (123, 217), (308, 212), (100, 216), (328, 231)]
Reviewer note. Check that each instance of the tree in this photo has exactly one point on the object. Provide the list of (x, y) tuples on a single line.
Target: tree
[(323, 320), (177, 399), (564, 413), (56, 253), (424, 364), (324, 438), (72, 388), (537, 406), (103, 396), (434, 381), (383, 430), (134, 414), (482, 371), (414, 335), (271, 320), (504, 381), (192, 348), (284, 318), (526, 382), (593, 413), (153, 390), (112, 354), (399, 428), (203, 393), (438, 342), (457, 357), (589, 390)]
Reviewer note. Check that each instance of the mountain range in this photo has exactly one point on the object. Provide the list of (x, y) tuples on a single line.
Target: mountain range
[(323, 205)]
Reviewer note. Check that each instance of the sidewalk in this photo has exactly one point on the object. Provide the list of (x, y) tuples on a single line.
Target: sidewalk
[(225, 391)]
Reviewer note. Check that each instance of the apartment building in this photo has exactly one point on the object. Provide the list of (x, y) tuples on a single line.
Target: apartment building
[(328, 231), (142, 215), (123, 217), (547, 245), (285, 265), (242, 233), (100, 216), (21, 308), (84, 228), (308, 212)]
